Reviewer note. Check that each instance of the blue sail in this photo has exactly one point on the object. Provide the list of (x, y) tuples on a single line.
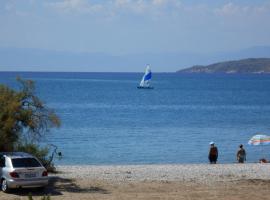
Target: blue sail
[(148, 76)]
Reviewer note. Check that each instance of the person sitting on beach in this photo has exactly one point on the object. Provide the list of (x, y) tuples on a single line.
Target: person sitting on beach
[(213, 153), (263, 160), (241, 154)]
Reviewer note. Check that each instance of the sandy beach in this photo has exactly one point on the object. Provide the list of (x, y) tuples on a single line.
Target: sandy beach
[(194, 181)]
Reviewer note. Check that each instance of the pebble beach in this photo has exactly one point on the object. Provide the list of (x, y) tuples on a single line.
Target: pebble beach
[(197, 173)]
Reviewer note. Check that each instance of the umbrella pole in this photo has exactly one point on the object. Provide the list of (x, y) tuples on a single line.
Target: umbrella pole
[(262, 151)]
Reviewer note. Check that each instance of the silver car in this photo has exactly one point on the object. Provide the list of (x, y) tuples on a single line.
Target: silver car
[(19, 169)]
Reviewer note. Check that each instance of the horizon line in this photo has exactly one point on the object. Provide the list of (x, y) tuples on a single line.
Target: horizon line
[(26, 71)]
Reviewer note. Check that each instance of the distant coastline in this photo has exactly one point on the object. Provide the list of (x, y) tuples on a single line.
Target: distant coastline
[(250, 66)]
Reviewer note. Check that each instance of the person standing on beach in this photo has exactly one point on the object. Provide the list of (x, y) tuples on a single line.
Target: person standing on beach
[(241, 154), (213, 153)]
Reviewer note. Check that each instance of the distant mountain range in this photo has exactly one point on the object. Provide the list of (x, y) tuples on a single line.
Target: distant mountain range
[(250, 65), (27, 59)]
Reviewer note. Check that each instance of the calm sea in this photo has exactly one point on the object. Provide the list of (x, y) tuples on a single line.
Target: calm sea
[(107, 120)]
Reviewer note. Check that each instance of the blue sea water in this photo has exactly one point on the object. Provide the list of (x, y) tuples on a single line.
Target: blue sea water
[(107, 120)]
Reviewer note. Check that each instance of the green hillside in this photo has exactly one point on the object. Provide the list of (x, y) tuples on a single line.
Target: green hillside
[(250, 65)]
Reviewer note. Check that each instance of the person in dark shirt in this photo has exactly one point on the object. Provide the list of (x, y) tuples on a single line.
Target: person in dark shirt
[(213, 153), (241, 154)]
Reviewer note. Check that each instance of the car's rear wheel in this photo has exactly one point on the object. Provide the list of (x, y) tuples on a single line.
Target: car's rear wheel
[(4, 185)]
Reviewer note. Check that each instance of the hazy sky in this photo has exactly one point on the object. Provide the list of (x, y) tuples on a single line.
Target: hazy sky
[(120, 27), (131, 27)]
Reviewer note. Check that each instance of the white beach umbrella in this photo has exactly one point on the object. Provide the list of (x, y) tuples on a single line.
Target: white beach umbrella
[(259, 140)]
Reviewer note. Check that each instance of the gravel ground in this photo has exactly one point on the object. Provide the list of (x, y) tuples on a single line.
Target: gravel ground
[(152, 182), (197, 173)]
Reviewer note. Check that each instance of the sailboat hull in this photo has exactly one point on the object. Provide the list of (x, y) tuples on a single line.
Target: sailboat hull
[(145, 87)]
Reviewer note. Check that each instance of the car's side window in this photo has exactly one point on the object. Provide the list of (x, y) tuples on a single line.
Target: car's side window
[(2, 161)]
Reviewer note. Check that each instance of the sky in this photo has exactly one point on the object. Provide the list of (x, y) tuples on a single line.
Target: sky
[(125, 27)]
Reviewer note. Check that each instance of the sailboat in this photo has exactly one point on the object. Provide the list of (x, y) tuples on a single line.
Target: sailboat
[(145, 82)]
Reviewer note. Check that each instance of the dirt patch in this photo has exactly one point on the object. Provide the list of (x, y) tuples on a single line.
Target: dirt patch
[(83, 189)]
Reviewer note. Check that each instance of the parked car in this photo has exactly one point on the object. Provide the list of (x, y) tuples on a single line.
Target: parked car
[(19, 169)]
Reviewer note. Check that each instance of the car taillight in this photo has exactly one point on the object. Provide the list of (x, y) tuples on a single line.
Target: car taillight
[(45, 173), (14, 174)]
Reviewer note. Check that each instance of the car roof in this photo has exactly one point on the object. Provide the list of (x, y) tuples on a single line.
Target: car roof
[(16, 154)]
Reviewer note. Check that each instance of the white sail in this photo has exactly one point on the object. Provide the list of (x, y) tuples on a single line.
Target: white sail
[(142, 82)]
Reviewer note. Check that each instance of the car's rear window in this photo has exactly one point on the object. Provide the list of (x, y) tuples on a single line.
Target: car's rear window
[(25, 162)]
